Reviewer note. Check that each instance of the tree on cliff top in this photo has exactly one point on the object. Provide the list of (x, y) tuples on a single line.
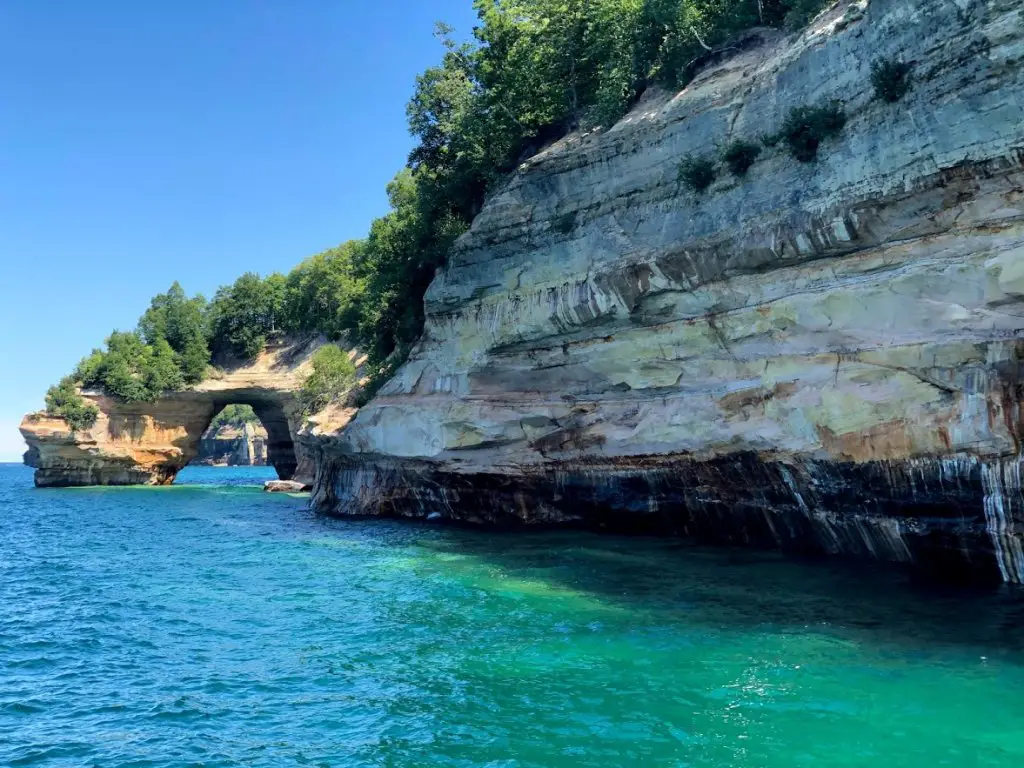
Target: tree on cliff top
[(182, 323), (323, 293), (131, 369), (244, 314), (63, 400)]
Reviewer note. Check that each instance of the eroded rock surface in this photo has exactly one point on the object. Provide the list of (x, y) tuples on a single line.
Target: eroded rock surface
[(232, 446), (149, 443), (285, 486), (821, 356)]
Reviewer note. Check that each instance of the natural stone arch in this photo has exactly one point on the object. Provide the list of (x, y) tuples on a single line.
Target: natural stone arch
[(149, 443)]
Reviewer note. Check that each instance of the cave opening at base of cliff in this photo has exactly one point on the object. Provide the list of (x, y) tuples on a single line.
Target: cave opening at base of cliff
[(249, 432)]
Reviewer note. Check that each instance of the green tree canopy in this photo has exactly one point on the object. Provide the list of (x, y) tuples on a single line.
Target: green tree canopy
[(63, 399), (323, 293), (242, 315), (182, 323), (234, 415), (131, 369)]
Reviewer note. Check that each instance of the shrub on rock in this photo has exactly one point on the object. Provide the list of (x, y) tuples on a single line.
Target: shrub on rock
[(63, 399), (806, 127), (740, 155), (697, 172)]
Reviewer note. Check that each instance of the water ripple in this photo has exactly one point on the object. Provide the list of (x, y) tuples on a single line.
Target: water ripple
[(214, 625)]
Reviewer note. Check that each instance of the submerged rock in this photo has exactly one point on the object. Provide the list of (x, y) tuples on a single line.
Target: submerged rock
[(823, 356)]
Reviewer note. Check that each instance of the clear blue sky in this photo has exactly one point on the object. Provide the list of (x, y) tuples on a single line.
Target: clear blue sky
[(190, 140)]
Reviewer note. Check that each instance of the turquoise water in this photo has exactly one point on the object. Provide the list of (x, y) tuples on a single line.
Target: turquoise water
[(214, 625)]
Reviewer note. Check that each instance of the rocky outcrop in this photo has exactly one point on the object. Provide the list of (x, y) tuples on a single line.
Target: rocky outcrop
[(819, 356), (149, 443), (285, 486), (232, 446)]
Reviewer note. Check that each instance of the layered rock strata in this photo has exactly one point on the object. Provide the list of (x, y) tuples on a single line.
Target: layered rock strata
[(149, 443), (818, 356), (232, 446)]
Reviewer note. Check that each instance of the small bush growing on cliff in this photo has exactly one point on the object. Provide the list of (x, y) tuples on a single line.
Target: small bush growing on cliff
[(740, 155), (63, 400), (891, 79), (697, 172), (332, 377), (806, 127)]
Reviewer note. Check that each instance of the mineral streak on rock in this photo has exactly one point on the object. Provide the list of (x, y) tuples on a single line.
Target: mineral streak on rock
[(818, 356), (228, 445), (149, 443)]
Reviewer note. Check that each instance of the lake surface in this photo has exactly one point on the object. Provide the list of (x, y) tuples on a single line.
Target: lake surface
[(210, 624)]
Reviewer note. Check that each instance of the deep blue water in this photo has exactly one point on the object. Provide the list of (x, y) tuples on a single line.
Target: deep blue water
[(210, 624)]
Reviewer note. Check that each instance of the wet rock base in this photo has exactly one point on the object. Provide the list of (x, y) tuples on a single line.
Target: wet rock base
[(956, 518)]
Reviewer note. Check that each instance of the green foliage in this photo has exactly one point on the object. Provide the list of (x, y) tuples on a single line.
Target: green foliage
[(181, 322), (88, 369), (740, 155), (323, 293), (242, 315), (167, 352), (234, 415), (398, 261), (131, 369), (160, 371), (63, 399), (697, 172), (806, 127), (332, 377), (891, 79)]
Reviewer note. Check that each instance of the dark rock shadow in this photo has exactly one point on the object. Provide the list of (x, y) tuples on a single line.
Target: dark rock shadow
[(881, 603)]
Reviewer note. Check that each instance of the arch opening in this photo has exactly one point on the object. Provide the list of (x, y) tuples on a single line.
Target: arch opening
[(248, 431)]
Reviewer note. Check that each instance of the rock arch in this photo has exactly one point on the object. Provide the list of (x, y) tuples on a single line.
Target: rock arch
[(149, 443), (274, 413)]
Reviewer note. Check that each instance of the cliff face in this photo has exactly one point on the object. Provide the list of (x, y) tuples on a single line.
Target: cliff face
[(244, 446), (823, 356), (149, 443)]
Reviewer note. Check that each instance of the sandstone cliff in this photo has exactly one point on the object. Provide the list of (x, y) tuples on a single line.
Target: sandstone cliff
[(244, 446), (149, 443), (823, 356)]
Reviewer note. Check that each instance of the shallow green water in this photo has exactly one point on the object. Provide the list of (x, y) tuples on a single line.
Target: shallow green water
[(220, 626)]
